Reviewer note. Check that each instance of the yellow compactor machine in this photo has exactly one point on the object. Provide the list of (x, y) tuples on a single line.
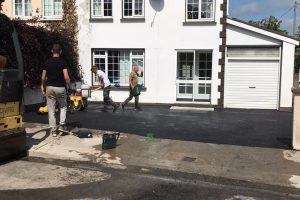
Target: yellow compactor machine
[(12, 132)]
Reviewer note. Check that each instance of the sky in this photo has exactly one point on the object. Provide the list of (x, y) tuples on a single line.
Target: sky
[(259, 9)]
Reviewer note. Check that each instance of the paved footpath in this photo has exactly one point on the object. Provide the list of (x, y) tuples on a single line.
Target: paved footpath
[(251, 164)]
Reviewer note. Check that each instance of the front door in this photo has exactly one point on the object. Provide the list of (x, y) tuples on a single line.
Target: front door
[(194, 70)]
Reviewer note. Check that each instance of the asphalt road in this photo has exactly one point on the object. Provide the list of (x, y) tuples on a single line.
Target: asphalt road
[(78, 180), (254, 128)]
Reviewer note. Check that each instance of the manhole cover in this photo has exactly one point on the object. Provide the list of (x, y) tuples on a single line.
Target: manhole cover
[(189, 159)]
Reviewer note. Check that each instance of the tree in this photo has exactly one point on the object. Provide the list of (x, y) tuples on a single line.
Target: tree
[(1, 1), (271, 23), (297, 54)]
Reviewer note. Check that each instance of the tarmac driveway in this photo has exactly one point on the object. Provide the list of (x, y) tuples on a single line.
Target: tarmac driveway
[(253, 128)]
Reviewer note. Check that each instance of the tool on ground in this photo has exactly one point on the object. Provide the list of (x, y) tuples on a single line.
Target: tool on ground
[(109, 141), (84, 133)]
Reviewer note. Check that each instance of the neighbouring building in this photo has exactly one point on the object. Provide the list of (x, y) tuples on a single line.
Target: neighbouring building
[(26, 9)]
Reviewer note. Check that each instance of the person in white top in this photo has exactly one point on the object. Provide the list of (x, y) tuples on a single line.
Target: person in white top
[(106, 88)]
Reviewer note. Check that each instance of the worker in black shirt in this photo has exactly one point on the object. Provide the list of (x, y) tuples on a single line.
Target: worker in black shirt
[(54, 79)]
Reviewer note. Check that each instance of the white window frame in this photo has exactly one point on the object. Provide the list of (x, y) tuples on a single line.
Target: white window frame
[(200, 19), (53, 17), (195, 97), (102, 10), (140, 57), (133, 9), (22, 16), (95, 81)]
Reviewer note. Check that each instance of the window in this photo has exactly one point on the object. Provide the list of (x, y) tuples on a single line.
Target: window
[(133, 8), (185, 66), (198, 10), (52, 8), (118, 64), (22, 8), (205, 66), (101, 8)]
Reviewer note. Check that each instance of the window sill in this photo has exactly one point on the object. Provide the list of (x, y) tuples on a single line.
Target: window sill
[(197, 23), (22, 18), (51, 19), (133, 19), (113, 88), (101, 19)]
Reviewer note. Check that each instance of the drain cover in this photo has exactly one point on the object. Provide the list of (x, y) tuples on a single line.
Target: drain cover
[(189, 159)]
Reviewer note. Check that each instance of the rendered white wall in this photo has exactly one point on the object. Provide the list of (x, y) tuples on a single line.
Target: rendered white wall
[(239, 36), (162, 33), (287, 75), (84, 41)]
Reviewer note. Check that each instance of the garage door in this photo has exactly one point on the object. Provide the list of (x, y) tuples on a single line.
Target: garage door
[(252, 78)]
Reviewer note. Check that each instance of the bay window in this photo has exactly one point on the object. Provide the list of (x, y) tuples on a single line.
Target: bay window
[(52, 8), (22, 8), (101, 8), (118, 64), (200, 10), (133, 8)]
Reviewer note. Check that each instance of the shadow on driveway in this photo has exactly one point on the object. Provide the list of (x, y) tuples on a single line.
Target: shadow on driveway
[(254, 128)]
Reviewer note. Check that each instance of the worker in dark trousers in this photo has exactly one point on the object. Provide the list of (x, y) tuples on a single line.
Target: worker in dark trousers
[(134, 90), (106, 89)]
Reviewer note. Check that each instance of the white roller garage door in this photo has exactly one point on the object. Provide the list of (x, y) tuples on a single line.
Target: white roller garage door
[(252, 79)]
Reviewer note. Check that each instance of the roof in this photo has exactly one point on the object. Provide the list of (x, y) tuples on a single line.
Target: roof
[(263, 31)]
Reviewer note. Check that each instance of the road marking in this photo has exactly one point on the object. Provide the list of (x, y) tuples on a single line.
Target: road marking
[(238, 197)]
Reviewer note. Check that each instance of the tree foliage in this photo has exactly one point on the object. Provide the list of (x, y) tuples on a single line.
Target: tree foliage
[(271, 23)]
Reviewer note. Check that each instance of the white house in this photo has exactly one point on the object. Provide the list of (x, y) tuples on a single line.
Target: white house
[(189, 52)]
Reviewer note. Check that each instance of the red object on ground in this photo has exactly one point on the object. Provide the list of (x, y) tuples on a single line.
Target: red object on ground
[(78, 93)]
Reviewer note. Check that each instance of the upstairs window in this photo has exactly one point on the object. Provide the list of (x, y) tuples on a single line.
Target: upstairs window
[(133, 8), (200, 10), (52, 8), (22, 8), (101, 8)]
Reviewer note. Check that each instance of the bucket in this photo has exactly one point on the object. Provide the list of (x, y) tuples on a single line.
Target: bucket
[(109, 141)]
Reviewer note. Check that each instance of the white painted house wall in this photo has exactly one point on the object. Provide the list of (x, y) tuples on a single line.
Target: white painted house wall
[(287, 75), (162, 33), (237, 36)]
